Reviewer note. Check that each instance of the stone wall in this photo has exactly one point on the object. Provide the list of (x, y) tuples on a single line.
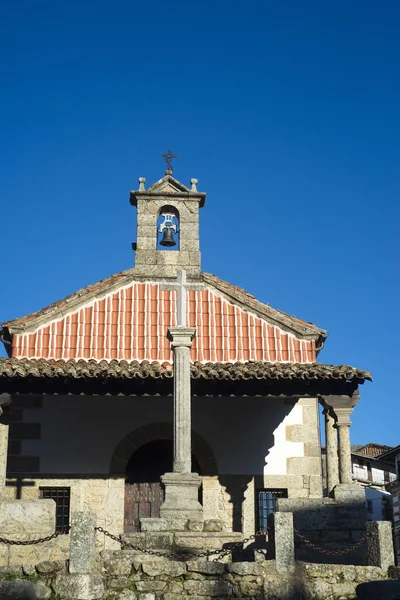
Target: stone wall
[(330, 525), (128, 575)]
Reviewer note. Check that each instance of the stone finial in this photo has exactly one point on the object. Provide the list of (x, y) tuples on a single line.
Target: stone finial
[(142, 181), (194, 183)]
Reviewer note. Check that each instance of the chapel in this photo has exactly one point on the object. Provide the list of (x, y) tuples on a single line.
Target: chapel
[(166, 392)]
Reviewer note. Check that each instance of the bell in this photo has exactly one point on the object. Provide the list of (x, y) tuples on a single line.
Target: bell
[(167, 238)]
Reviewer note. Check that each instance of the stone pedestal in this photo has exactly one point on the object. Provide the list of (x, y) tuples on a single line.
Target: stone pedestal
[(284, 542), (350, 493), (181, 497), (380, 544)]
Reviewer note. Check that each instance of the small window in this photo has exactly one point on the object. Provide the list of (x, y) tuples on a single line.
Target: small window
[(370, 506), (266, 505), (61, 496)]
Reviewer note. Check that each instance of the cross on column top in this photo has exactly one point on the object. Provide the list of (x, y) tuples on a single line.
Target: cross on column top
[(181, 287)]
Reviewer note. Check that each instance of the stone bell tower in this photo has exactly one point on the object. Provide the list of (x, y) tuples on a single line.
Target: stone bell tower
[(167, 227)]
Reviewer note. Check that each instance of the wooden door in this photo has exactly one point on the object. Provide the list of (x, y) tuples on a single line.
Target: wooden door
[(142, 500)]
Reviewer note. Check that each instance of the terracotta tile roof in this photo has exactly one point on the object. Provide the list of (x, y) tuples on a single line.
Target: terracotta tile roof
[(126, 318), (371, 450), (82, 369)]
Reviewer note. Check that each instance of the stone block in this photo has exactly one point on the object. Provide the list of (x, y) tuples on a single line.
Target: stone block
[(147, 596), (352, 493), (213, 525), (181, 496), (194, 525), (307, 465), (24, 518), (16, 590), (118, 583), (284, 542), (211, 587), (82, 542), (43, 592), (156, 568), (205, 567), (159, 541), (118, 566), (245, 568), (150, 586), (169, 524), (48, 567), (380, 544), (79, 586), (347, 588)]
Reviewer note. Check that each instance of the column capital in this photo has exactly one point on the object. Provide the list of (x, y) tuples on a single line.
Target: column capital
[(181, 336), (335, 402), (343, 416)]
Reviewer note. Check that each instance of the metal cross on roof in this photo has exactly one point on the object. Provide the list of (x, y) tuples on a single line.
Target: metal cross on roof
[(181, 287), (168, 157)]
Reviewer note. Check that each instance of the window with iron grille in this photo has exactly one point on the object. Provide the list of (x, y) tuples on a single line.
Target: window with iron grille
[(61, 496), (266, 505)]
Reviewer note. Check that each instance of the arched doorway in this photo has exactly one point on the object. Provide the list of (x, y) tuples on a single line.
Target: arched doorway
[(144, 493)]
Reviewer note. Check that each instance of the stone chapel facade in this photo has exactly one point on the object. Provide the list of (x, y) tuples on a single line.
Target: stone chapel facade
[(87, 389)]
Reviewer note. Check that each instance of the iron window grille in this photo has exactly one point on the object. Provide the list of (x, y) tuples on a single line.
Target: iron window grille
[(266, 505), (62, 497)]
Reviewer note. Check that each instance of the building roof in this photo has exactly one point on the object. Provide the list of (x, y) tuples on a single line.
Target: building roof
[(390, 455), (370, 450), (125, 317), (39, 368)]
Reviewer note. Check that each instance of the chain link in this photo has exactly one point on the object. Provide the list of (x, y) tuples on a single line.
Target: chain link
[(330, 552), (33, 542), (184, 555)]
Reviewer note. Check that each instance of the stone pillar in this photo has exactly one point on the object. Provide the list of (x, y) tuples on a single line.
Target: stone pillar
[(5, 400), (284, 542), (181, 338), (380, 544), (343, 425), (82, 542), (181, 486), (332, 460), (83, 581)]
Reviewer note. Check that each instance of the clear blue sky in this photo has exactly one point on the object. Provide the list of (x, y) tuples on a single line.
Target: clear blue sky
[(286, 112)]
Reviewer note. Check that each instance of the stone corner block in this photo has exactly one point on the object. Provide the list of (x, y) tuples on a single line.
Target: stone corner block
[(380, 544)]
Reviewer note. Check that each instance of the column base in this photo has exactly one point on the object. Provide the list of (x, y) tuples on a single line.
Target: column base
[(350, 493), (181, 496)]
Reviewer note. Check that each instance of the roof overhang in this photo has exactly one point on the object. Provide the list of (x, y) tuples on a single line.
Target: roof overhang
[(41, 376)]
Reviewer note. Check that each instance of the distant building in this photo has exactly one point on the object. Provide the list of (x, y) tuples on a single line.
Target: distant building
[(392, 456), (374, 473)]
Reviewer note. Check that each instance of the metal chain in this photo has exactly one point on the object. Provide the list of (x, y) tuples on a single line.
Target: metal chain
[(185, 555), (331, 552), (32, 542)]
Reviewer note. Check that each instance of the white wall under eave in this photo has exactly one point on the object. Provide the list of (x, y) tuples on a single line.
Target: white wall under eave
[(79, 434), (276, 459)]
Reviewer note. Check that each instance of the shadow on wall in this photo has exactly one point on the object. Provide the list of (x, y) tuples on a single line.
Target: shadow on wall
[(326, 531)]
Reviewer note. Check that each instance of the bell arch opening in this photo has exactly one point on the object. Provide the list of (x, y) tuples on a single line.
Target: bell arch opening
[(168, 228)]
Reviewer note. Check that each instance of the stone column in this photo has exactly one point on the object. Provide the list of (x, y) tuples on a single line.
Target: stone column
[(332, 460), (5, 400), (181, 338), (284, 542), (380, 544), (343, 425), (181, 486)]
